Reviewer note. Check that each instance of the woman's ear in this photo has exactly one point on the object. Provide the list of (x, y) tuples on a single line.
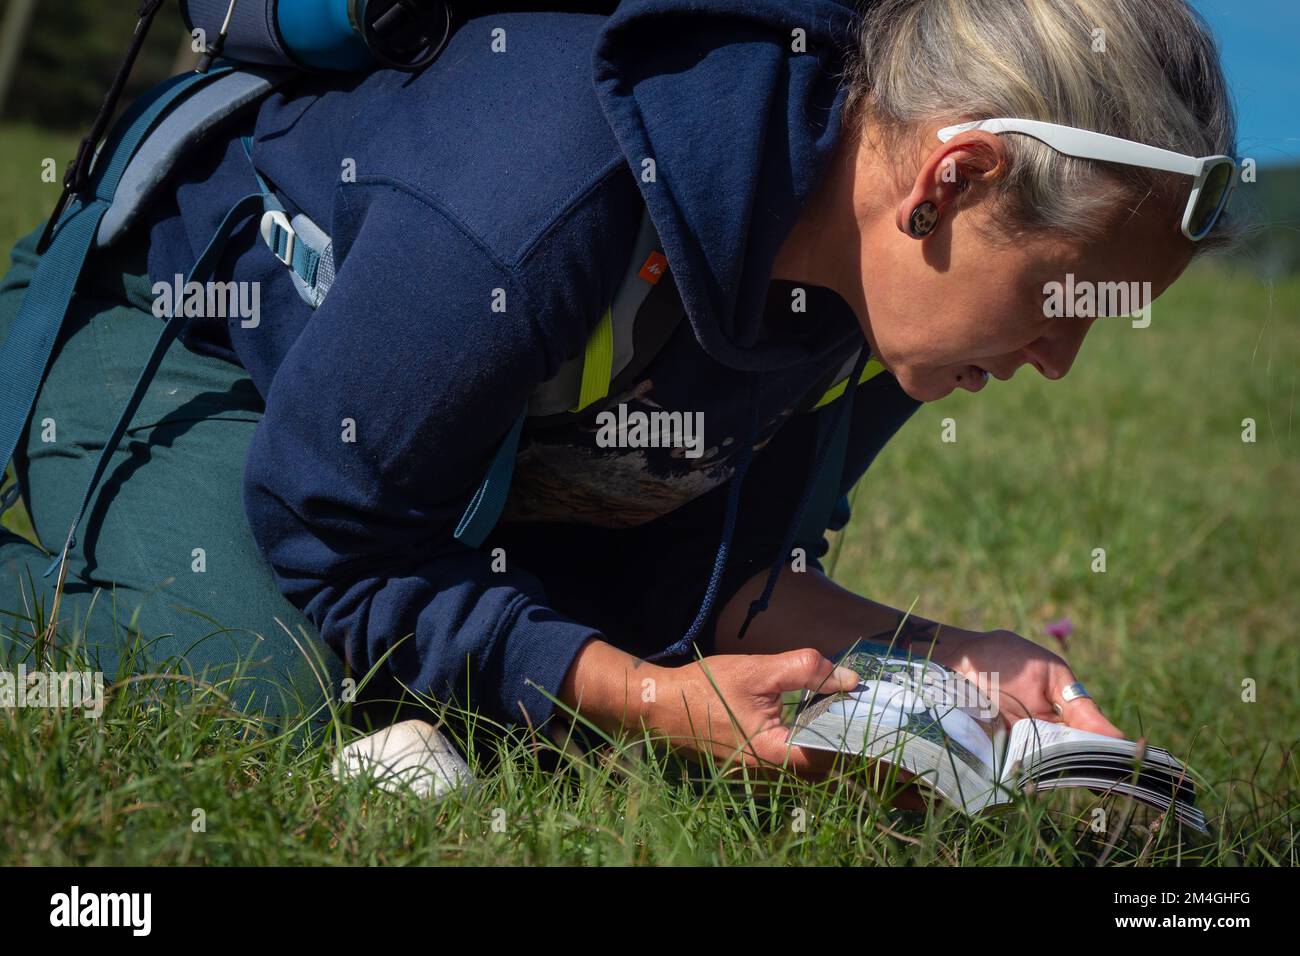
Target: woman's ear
[(952, 168)]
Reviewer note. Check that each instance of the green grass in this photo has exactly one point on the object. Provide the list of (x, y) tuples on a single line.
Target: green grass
[(1138, 451), (27, 198)]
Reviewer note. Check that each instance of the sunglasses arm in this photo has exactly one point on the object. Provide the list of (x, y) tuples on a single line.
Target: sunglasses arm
[(1085, 144)]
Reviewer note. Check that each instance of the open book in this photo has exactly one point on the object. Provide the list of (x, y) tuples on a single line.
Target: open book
[(935, 724)]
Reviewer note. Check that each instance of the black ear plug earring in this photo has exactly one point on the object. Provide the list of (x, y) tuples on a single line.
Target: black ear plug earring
[(923, 220)]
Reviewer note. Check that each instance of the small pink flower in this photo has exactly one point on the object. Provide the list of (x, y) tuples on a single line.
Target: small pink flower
[(1060, 630)]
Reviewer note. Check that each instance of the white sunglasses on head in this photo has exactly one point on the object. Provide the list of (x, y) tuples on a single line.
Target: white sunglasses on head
[(1215, 176)]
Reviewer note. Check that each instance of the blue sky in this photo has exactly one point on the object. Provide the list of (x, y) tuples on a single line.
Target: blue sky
[(1260, 40)]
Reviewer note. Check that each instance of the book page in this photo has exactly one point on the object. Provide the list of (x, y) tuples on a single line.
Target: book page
[(913, 713), (1054, 756), (889, 705), (1036, 738)]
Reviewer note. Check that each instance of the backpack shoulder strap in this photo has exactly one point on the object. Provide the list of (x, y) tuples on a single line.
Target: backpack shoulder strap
[(25, 353), (832, 446), (182, 129), (299, 244), (841, 379)]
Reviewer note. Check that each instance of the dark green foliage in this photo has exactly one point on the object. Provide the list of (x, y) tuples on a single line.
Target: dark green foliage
[(72, 54)]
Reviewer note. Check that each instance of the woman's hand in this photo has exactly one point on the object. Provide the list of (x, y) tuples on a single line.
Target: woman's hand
[(1029, 678), (689, 707)]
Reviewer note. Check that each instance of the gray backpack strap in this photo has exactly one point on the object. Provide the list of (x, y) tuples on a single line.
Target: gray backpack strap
[(183, 128), (313, 289)]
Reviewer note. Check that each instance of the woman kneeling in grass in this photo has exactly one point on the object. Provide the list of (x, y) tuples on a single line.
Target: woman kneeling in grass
[(833, 193)]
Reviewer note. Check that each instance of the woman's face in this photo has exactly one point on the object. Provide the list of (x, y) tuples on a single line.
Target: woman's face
[(942, 311)]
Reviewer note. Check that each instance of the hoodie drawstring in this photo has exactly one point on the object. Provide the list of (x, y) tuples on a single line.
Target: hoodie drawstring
[(684, 645), (758, 606)]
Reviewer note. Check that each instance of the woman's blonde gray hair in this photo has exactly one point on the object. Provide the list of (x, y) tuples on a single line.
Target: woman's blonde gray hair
[(1145, 70)]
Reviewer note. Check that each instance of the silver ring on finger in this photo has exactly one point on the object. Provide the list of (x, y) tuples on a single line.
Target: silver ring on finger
[(1068, 693)]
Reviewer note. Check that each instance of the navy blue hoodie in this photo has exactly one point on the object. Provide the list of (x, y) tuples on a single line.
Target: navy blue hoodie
[(519, 176)]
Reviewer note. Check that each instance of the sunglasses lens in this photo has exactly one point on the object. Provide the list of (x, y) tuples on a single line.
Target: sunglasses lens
[(1209, 203)]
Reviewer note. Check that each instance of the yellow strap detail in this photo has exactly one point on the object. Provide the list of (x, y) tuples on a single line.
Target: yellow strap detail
[(870, 370), (597, 363)]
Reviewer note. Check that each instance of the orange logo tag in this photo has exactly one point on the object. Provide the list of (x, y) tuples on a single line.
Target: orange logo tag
[(655, 266)]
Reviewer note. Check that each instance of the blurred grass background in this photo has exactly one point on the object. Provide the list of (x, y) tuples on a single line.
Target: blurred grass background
[(1138, 451)]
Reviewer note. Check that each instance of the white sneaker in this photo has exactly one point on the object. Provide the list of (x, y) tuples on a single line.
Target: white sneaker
[(411, 756)]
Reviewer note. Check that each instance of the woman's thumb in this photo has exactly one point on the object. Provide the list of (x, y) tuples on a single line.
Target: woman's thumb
[(806, 669), (1084, 714)]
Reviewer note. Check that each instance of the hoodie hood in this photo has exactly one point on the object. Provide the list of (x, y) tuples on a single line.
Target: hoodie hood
[(740, 127)]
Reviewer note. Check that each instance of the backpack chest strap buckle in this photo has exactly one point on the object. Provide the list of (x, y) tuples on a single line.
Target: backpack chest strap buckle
[(278, 235)]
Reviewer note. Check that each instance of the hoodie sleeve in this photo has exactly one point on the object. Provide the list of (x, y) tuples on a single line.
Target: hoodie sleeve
[(379, 424)]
